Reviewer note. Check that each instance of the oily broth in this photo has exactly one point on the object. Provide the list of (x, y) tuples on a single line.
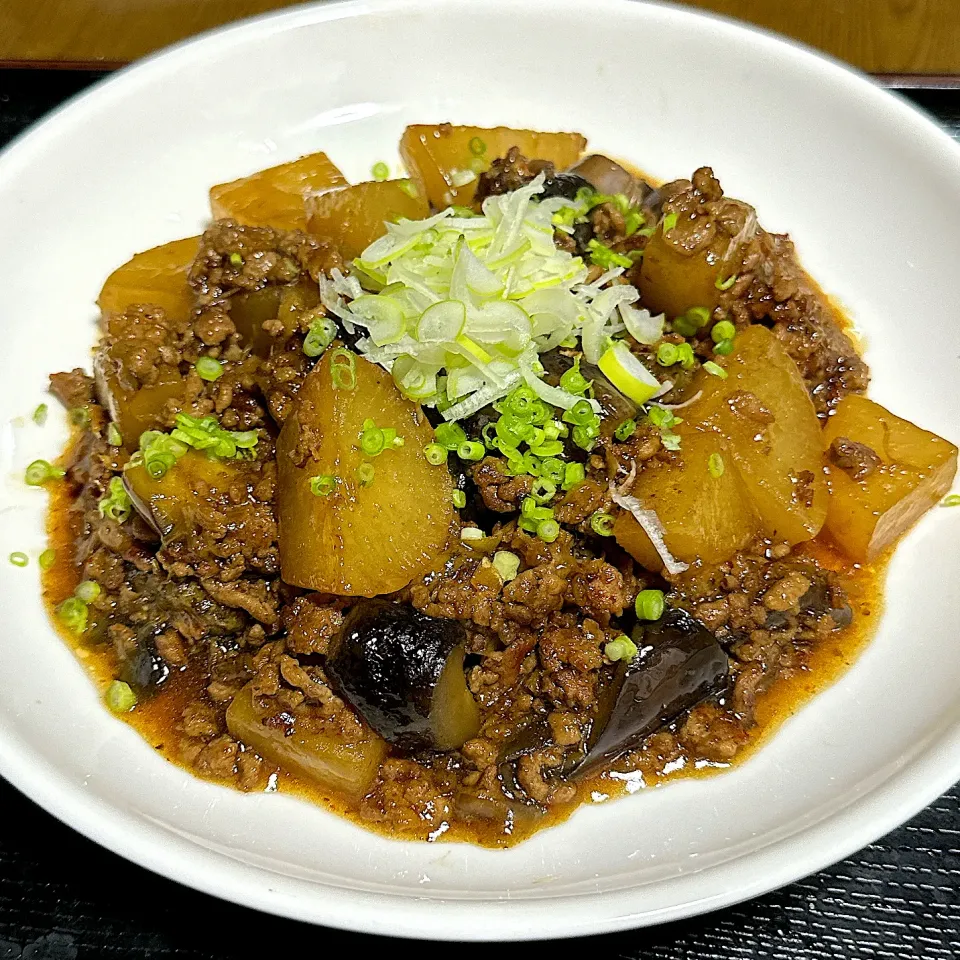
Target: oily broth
[(157, 718)]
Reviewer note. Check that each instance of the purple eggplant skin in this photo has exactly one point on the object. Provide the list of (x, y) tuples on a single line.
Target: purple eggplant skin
[(387, 661), (678, 664)]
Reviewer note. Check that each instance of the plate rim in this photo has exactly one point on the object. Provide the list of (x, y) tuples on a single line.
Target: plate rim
[(861, 821)]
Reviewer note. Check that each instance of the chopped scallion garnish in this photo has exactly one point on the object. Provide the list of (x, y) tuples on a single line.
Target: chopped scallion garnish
[(321, 334), (722, 330), (380, 171), (114, 437), (459, 499), (715, 370), (116, 503), (715, 465), (626, 430), (208, 368), (602, 524), (323, 485), (649, 604), (120, 697), (435, 454), (73, 613), (40, 472), (87, 591), (47, 559), (620, 648), (952, 501), (40, 415), (19, 559)]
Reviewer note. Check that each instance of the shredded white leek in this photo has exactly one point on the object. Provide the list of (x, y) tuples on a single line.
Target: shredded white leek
[(463, 305), (652, 527)]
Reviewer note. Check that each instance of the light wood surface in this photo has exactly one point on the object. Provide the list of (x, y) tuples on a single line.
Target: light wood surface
[(882, 36)]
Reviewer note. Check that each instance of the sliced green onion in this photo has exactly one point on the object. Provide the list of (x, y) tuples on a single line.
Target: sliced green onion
[(626, 430), (87, 591), (114, 437), (725, 284), (667, 354), (584, 436), (669, 222), (120, 697), (686, 357), (715, 370), (603, 256), (580, 414), (321, 334), (602, 524), (73, 613), (573, 475), (471, 450), (477, 147), (435, 454), (40, 471), (723, 330), (451, 435), (236, 260), (208, 369), (19, 559), (343, 369), (543, 490), (649, 604), (380, 171), (506, 564), (323, 485), (724, 348), (628, 374), (79, 416), (116, 503), (372, 439), (459, 499), (715, 465), (621, 648), (472, 533), (952, 501), (409, 188), (548, 530), (47, 559), (549, 448), (204, 433), (365, 474), (573, 381), (40, 415)]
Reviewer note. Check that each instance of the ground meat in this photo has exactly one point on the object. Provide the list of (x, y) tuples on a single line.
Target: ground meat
[(857, 460), (254, 596), (510, 172), (73, 389), (311, 622), (500, 491), (597, 588)]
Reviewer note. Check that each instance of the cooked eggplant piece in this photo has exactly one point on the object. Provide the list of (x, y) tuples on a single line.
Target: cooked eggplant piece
[(608, 176), (402, 671), (679, 663), (563, 185)]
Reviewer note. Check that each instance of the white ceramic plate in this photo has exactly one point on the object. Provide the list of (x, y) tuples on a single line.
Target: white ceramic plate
[(869, 189)]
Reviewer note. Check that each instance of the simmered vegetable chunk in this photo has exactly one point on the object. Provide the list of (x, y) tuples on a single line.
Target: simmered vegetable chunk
[(275, 197), (673, 279), (376, 521), (251, 309), (765, 413), (885, 473), (403, 673), (170, 504), (344, 761), (447, 159), (157, 277), (700, 499), (353, 216)]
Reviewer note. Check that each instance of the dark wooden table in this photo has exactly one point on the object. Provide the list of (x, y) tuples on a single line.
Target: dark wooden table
[(63, 898)]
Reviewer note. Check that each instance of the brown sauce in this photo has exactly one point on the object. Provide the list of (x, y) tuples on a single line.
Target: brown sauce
[(157, 718)]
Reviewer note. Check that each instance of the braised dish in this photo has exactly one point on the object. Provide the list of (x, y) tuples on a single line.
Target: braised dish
[(455, 501)]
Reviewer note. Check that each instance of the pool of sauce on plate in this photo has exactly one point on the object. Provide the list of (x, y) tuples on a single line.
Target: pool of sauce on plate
[(158, 717)]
